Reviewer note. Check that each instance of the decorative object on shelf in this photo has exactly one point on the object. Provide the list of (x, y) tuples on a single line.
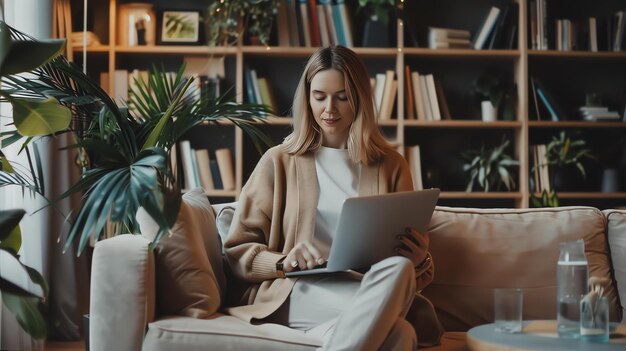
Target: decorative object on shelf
[(377, 24), (136, 25), (490, 168), (228, 20), (180, 27), (129, 165), (563, 153), (501, 92), (610, 180), (489, 112)]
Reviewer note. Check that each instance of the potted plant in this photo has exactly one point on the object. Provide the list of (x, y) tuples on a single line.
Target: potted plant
[(497, 96), (564, 156), (376, 32), (490, 168), (129, 155), (229, 19)]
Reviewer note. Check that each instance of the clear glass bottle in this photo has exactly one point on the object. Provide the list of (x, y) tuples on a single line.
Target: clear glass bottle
[(572, 275)]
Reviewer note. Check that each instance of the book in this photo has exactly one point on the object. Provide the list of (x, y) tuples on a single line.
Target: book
[(497, 40), (255, 87), (415, 164), (321, 17), (443, 103), (225, 164), (418, 96), (485, 28), (432, 96), (292, 21), (204, 168), (428, 111), (314, 23), (303, 24), (120, 87), (387, 97), (188, 171), (410, 104), (282, 24), (556, 113), (346, 23), (217, 178), (379, 89)]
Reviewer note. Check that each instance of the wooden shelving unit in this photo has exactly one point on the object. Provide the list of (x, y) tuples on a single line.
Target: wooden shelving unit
[(442, 139)]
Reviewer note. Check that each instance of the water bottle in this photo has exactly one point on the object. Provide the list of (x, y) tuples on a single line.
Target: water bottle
[(571, 281)]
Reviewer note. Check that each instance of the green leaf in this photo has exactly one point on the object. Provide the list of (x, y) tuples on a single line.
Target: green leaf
[(13, 241), (5, 41), (9, 219), (29, 313), (5, 166), (35, 117), (26, 55)]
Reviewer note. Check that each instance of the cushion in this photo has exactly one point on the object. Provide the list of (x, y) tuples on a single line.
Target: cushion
[(477, 250), (222, 332), (616, 231), (189, 274)]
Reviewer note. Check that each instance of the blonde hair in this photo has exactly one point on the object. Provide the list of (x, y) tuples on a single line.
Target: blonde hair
[(365, 142)]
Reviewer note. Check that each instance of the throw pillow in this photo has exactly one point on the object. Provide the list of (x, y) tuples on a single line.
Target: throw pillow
[(188, 280)]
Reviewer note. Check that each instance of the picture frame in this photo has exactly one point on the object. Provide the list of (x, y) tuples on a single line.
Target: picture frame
[(180, 27)]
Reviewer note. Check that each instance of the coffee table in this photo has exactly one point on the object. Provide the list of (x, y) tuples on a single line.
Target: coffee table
[(539, 335)]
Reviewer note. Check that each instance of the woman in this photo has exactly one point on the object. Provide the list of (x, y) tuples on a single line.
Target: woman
[(291, 202)]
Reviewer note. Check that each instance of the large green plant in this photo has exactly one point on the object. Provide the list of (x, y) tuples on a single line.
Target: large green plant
[(490, 168), (27, 304), (129, 154)]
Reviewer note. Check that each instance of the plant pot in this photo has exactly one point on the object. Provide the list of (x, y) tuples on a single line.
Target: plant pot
[(567, 178), (375, 33), (610, 180), (489, 112)]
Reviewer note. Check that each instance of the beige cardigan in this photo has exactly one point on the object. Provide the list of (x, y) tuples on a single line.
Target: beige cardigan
[(277, 209)]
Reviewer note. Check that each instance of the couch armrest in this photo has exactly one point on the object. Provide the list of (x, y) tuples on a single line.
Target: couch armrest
[(122, 293)]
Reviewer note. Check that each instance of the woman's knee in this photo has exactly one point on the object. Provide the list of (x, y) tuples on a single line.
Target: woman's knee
[(398, 264), (401, 337)]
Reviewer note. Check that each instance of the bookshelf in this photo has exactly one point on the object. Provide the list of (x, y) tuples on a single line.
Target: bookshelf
[(566, 74)]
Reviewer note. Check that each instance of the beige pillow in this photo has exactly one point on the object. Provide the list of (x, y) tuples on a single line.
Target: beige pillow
[(477, 250), (616, 230), (187, 280)]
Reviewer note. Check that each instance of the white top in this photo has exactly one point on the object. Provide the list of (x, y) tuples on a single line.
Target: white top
[(338, 179)]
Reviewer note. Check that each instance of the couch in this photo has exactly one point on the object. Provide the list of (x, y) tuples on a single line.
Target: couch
[(144, 299)]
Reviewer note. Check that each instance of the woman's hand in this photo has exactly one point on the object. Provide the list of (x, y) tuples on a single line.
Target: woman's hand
[(303, 256), (414, 245)]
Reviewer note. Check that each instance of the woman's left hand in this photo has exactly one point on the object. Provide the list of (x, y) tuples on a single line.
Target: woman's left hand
[(414, 245)]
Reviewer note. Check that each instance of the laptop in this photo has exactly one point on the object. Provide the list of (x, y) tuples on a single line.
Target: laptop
[(368, 227)]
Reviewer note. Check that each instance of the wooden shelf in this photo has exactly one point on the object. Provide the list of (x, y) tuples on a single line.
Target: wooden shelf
[(575, 124), (576, 54), (177, 50), (591, 195), (92, 49), (455, 69), (463, 124), (463, 53)]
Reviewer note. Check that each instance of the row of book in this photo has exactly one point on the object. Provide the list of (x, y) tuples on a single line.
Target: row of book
[(425, 99), (385, 88), (201, 170), (314, 23), (591, 34), (587, 34), (259, 90)]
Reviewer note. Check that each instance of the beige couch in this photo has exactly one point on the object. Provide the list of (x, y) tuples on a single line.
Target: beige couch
[(135, 291)]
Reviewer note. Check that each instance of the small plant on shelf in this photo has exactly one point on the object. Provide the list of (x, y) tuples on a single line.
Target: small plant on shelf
[(566, 151), (490, 168), (230, 19), (491, 85)]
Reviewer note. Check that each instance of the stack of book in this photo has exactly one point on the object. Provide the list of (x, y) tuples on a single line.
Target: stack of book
[(385, 88), (425, 98), (201, 170), (259, 90), (598, 114), (447, 38)]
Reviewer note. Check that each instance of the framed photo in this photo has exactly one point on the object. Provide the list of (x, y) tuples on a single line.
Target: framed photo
[(180, 26)]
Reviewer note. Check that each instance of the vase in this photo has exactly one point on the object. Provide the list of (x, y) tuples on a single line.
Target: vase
[(137, 24), (375, 33), (489, 112), (610, 180)]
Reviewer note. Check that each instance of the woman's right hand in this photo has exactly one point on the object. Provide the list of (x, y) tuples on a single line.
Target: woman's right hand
[(303, 256)]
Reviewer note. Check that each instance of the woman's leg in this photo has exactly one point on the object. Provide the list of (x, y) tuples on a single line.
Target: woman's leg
[(384, 296), (401, 337)]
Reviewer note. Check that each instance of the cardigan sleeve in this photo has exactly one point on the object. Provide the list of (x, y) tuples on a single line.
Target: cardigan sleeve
[(246, 247)]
